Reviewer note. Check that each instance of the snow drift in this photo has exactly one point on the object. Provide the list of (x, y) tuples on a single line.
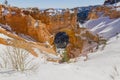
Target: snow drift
[(104, 26)]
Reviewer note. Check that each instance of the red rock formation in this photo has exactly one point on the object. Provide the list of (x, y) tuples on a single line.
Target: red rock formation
[(105, 11), (41, 26)]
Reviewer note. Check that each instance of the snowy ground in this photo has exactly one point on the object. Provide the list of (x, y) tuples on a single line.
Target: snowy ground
[(104, 26), (118, 4), (102, 65)]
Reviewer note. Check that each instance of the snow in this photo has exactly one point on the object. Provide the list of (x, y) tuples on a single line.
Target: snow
[(36, 24), (13, 13), (26, 37), (104, 26), (118, 4), (6, 27), (4, 12), (92, 23), (4, 36), (101, 65)]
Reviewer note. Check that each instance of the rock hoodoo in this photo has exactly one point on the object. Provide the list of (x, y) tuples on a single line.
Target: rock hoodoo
[(43, 25)]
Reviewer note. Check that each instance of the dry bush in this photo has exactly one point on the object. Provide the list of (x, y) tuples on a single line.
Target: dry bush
[(115, 74), (17, 59)]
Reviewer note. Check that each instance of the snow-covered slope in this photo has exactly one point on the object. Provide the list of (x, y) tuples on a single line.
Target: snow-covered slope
[(118, 4), (104, 26), (102, 65), (4, 36)]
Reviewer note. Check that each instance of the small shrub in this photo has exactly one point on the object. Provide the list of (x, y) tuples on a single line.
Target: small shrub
[(65, 57), (115, 73), (17, 59)]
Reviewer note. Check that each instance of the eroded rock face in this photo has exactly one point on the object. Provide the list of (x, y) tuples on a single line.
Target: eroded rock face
[(43, 27), (39, 25), (25, 24), (102, 11), (92, 15)]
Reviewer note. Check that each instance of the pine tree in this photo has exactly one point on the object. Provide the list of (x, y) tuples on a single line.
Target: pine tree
[(6, 2)]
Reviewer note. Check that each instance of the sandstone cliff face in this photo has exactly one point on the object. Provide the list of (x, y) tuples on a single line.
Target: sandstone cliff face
[(19, 42), (100, 11), (25, 24), (92, 15), (42, 26), (78, 38)]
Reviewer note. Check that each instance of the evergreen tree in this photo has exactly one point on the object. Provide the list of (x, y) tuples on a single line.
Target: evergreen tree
[(6, 2)]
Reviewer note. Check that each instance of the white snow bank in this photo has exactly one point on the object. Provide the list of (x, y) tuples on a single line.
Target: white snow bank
[(118, 4), (6, 27), (4, 36), (112, 29), (102, 65), (26, 37), (104, 26)]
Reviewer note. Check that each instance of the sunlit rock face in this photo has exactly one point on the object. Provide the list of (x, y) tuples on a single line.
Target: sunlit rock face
[(104, 11), (59, 30), (40, 25)]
